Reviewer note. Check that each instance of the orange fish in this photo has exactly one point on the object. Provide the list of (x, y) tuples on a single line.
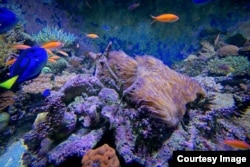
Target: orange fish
[(165, 18), (55, 57), (52, 45), (51, 60), (237, 144), (21, 46), (10, 62), (93, 36), (49, 52), (62, 53)]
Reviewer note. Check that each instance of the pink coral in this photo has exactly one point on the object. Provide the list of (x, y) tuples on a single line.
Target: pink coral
[(103, 156)]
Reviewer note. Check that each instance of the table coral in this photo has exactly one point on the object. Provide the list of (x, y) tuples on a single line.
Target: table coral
[(103, 156)]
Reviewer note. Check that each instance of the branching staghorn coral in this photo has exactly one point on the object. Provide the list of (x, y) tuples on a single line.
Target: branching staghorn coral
[(207, 50), (48, 34), (151, 85)]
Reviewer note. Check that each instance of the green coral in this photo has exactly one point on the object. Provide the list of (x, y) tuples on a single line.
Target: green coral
[(191, 68), (239, 64), (58, 66), (5, 50), (48, 34)]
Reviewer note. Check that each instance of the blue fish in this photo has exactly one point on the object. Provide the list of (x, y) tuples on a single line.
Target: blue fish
[(46, 93), (28, 66), (201, 1), (106, 27), (7, 20)]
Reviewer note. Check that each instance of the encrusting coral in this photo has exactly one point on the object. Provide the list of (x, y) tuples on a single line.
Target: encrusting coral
[(152, 86), (103, 156)]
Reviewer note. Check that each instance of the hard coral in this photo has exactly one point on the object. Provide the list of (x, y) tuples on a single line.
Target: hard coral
[(103, 156), (7, 99), (153, 86), (228, 50), (239, 64)]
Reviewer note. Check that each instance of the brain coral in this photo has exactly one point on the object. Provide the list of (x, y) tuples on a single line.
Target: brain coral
[(103, 156), (152, 86)]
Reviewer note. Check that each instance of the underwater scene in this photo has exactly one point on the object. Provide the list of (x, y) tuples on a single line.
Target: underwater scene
[(122, 83)]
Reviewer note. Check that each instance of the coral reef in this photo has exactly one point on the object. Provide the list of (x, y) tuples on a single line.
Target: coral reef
[(4, 120), (76, 145), (58, 66), (152, 86), (48, 34), (237, 65), (5, 50), (53, 124), (209, 83), (13, 155), (103, 156), (191, 67), (245, 51), (92, 113), (138, 106), (207, 50), (46, 81)]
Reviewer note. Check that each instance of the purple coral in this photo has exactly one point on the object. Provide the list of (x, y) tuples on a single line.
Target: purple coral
[(76, 145)]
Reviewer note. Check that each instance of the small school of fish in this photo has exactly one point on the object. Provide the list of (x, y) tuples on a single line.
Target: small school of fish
[(48, 46)]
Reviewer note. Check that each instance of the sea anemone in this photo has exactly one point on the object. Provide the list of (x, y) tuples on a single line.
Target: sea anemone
[(152, 86)]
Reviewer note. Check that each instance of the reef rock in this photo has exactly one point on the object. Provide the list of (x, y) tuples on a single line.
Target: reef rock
[(152, 86)]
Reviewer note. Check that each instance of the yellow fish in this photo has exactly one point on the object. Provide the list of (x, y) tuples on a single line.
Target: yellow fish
[(165, 18), (93, 36)]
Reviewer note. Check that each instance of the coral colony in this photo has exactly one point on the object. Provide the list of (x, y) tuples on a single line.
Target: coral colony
[(79, 86)]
